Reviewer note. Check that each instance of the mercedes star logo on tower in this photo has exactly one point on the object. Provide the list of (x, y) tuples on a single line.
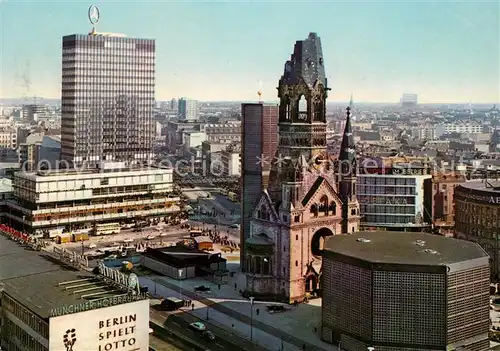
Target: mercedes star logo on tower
[(93, 15)]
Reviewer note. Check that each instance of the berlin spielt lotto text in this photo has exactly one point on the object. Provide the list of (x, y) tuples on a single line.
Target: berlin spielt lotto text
[(196, 167)]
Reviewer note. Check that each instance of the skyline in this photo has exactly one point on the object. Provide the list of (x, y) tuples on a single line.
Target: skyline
[(376, 51)]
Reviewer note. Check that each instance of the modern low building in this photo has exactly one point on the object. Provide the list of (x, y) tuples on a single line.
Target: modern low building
[(180, 262), (477, 218), (82, 199), (46, 306), (395, 196), (405, 291)]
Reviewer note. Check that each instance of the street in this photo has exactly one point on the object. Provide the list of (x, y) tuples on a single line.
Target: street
[(179, 323)]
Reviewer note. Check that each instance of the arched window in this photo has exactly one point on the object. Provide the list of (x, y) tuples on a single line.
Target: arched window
[(258, 265), (323, 206), (302, 108), (333, 208), (266, 265), (318, 111), (314, 210)]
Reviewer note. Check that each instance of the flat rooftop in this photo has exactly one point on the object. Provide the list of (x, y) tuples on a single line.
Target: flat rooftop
[(34, 278), (404, 248)]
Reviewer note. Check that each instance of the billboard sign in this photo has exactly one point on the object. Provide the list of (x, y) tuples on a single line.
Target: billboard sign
[(118, 328)]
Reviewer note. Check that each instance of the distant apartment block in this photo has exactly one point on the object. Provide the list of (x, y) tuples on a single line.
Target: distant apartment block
[(40, 152), (8, 138), (231, 160), (223, 133), (188, 109), (443, 202), (466, 128), (108, 99), (33, 112), (409, 100)]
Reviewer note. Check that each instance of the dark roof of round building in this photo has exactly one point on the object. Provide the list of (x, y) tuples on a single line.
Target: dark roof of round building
[(491, 186), (404, 248)]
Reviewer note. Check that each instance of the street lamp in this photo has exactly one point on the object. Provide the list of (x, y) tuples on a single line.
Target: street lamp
[(180, 285), (251, 317)]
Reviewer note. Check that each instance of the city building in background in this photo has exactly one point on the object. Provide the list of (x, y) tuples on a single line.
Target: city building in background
[(301, 205), (108, 94), (8, 138), (34, 112), (395, 194), (443, 202), (43, 304), (44, 201), (405, 291), (40, 152), (409, 100), (231, 160), (259, 140), (477, 209), (188, 110)]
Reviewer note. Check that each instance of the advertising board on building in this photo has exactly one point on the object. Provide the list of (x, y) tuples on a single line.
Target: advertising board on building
[(121, 328)]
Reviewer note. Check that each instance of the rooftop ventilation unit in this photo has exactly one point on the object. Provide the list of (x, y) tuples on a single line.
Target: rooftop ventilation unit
[(419, 242), (434, 252), (363, 240)]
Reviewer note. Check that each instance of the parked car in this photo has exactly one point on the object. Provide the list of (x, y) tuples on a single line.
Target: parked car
[(198, 326), (209, 335), (202, 288), (150, 237), (92, 246)]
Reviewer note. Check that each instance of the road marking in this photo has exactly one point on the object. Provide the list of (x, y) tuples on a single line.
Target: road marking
[(177, 324), (219, 345)]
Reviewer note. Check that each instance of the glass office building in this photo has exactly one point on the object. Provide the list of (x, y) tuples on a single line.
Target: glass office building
[(108, 92)]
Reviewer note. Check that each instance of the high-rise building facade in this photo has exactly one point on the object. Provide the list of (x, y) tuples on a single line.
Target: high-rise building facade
[(259, 140), (108, 98), (188, 109)]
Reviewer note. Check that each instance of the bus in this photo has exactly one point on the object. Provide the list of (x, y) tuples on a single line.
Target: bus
[(193, 233), (107, 228)]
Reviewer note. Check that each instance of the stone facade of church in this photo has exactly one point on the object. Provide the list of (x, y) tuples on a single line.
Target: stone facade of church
[(310, 196)]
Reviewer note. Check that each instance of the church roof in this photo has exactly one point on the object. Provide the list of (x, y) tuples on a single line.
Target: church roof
[(313, 190), (348, 146), (306, 63)]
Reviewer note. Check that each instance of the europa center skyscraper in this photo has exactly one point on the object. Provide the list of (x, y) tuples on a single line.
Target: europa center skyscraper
[(108, 97)]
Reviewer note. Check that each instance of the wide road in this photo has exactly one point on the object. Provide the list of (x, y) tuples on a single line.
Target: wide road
[(179, 324)]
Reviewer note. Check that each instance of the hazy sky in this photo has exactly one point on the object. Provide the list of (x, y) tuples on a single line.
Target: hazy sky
[(446, 51)]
